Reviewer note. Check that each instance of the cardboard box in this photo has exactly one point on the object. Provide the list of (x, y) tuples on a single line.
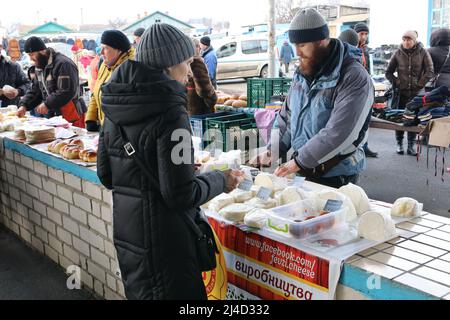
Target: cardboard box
[(439, 132)]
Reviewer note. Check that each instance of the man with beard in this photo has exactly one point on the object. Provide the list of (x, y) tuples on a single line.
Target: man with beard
[(56, 86), (325, 118)]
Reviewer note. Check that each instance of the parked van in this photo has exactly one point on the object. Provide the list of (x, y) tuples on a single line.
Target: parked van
[(243, 57)]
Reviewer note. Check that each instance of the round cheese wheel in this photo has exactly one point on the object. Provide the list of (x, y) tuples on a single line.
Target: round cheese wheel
[(220, 201), (348, 206), (376, 226), (256, 218), (358, 197), (290, 195), (259, 203), (235, 212), (405, 207), (240, 196)]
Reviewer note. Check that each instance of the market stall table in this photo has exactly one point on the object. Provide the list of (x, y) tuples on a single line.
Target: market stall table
[(60, 208)]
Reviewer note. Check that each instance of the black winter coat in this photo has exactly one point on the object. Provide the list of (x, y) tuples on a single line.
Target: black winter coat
[(11, 74), (155, 247), (62, 81)]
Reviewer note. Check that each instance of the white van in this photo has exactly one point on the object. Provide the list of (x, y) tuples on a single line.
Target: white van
[(242, 57)]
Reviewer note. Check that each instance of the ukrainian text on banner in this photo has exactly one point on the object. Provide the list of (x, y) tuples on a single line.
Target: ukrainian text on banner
[(271, 270)]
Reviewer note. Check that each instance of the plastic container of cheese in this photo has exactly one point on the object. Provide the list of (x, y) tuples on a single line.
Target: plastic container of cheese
[(303, 219)]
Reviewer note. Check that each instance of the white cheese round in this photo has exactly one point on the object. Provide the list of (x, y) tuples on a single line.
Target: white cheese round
[(376, 226), (405, 207), (358, 197)]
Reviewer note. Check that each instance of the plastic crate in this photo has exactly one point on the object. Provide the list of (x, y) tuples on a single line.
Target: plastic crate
[(232, 132), (259, 91), (198, 123)]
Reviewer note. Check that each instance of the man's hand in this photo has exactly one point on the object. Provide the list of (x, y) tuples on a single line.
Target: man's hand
[(10, 93), (233, 179), (287, 169), (262, 160), (42, 109), (21, 112)]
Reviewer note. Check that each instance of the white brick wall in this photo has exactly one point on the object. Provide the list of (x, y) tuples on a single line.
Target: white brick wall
[(82, 202), (78, 214), (62, 216), (72, 181)]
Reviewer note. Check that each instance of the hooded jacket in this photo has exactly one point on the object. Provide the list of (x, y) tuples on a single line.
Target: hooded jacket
[(414, 68), (327, 116), (439, 51), (95, 112), (155, 247)]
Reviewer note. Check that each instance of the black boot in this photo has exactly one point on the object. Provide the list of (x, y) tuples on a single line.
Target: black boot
[(370, 154), (411, 149), (400, 149)]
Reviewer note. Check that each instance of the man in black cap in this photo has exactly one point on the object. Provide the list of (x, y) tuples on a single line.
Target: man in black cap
[(55, 89), (13, 82), (362, 29), (210, 57), (137, 35)]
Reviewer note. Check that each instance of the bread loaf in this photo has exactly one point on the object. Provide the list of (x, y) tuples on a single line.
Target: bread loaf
[(77, 142), (59, 146), (88, 155), (243, 97), (71, 152), (239, 104), (51, 146), (229, 103)]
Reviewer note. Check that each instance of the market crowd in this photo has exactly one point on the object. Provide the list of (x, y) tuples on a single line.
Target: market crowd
[(143, 93)]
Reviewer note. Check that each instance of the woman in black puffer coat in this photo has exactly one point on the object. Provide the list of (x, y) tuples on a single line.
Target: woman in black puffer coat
[(147, 98), (439, 51)]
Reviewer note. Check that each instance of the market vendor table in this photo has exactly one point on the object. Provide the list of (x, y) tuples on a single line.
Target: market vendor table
[(387, 125), (60, 209)]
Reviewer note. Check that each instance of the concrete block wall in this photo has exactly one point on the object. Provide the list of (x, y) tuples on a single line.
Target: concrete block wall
[(63, 217)]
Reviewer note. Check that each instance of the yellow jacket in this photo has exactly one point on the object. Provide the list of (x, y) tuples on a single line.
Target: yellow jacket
[(95, 112)]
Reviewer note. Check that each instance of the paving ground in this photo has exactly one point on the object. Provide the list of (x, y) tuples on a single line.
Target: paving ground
[(25, 274)]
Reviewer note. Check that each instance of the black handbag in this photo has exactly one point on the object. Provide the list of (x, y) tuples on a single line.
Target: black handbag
[(392, 98), (205, 244)]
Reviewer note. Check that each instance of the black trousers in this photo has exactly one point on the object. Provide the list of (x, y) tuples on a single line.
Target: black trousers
[(336, 182)]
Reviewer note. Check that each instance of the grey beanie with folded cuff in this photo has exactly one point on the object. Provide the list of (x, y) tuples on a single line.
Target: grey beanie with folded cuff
[(163, 46), (308, 26)]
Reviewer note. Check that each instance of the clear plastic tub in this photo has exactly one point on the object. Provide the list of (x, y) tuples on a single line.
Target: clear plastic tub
[(303, 219)]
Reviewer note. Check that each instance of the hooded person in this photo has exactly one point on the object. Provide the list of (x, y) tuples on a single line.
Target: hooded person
[(439, 51), (145, 110), (115, 50), (414, 69), (325, 118)]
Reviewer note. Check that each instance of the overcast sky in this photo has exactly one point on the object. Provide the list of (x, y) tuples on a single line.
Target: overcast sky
[(238, 12), (100, 11)]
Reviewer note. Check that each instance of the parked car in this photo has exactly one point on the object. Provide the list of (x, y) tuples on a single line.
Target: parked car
[(243, 57)]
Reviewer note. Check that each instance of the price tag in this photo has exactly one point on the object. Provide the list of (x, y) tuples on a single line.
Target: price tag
[(298, 181), (246, 185), (333, 205), (264, 193)]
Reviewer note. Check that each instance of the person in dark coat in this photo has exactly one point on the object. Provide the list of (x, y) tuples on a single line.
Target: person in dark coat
[(439, 51), (12, 75), (147, 99), (414, 68), (210, 57), (55, 90), (201, 95)]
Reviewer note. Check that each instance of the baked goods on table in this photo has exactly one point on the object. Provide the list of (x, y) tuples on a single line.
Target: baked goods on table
[(39, 134), (71, 152), (88, 155)]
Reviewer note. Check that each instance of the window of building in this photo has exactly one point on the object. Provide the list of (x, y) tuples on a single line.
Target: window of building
[(440, 14)]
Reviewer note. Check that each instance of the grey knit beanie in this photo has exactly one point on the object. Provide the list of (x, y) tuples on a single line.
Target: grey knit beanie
[(349, 36), (163, 46), (308, 26), (361, 27)]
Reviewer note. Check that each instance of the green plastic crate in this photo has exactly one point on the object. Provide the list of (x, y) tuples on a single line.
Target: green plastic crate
[(260, 90), (233, 132)]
